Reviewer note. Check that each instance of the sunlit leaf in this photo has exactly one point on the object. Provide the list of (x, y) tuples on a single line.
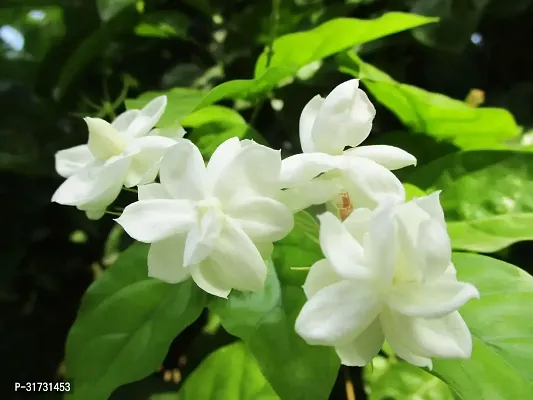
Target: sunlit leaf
[(501, 322), (486, 196), (296, 50), (433, 113), (399, 380), (229, 373)]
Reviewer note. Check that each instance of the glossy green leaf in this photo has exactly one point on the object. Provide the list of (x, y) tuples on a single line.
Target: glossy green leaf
[(296, 50), (434, 113), (501, 322), (265, 322), (229, 373), (125, 325), (390, 379), (215, 124), (487, 196)]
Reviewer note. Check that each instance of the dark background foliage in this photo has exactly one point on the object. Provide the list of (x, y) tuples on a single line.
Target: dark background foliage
[(64, 59)]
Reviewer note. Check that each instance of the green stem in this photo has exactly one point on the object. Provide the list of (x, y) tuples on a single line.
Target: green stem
[(116, 214), (274, 21), (273, 31)]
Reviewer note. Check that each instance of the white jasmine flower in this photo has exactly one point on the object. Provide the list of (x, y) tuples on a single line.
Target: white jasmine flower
[(387, 275), (327, 126), (207, 222), (126, 152)]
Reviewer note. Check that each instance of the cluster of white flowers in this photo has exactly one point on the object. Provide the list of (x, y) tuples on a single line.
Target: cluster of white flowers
[(387, 272)]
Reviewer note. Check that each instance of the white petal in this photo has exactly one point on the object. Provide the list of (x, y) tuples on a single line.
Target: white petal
[(299, 169), (165, 260), (307, 119), (145, 163), (358, 223), (446, 337), (70, 161), (431, 205), (320, 275), (222, 157), (369, 183), (124, 120), (409, 263), (93, 184), (432, 299), (261, 218), (426, 243), (400, 339), (435, 249), (337, 314), (234, 262), (183, 173), (380, 243), (97, 207), (153, 220), (104, 140), (146, 119), (389, 156), (152, 191), (345, 119), (450, 273), (362, 114), (209, 278), (253, 171), (364, 348), (202, 238), (316, 192), (343, 252)]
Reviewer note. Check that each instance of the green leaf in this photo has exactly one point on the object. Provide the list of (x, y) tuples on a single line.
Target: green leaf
[(265, 322), (296, 252), (163, 25), (399, 380), (501, 322), (229, 373), (109, 8), (486, 196), (215, 124), (183, 101), (125, 325), (434, 113), (412, 191), (246, 88), (296, 50)]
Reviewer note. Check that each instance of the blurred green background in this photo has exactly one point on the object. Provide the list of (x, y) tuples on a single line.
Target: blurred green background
[(64, 59)]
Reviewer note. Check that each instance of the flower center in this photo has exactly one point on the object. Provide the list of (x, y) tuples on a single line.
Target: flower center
[(211, 203)]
